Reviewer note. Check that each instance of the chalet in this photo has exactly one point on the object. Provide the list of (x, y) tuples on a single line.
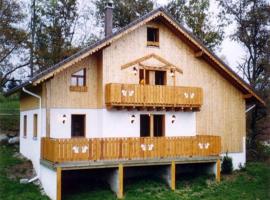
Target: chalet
[(148, 94)]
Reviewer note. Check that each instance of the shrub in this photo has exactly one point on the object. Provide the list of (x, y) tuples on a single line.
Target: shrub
[(226, 166)]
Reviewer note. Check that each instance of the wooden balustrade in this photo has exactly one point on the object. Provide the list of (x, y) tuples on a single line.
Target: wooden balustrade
[(83, 149), (152, 96)]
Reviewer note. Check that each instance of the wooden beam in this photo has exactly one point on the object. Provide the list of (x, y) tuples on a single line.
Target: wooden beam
[(136, 61), (173, 175), (166, 62), (120, 193), (59, 183), (151, 125), (247, 96), (152, 55), (218, 170), (199, 54)]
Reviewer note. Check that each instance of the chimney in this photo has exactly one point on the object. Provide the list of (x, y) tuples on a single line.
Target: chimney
[(108, 18)]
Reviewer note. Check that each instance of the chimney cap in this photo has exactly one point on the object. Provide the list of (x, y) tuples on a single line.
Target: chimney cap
[(109, 4)]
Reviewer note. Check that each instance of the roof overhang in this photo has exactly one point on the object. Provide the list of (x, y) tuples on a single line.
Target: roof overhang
[(200, 51)]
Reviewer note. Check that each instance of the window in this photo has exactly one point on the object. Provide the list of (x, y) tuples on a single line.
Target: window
[(152, 36), (160, 78), (35, 125), (77, 125), (152, 77), (152, 125), (24, 125), (79, 78)]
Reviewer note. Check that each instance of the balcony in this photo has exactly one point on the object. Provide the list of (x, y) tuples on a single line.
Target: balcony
[(153, 96), (129, 149)]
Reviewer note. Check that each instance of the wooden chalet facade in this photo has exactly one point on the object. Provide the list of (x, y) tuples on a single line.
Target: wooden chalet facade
[(149, 94)]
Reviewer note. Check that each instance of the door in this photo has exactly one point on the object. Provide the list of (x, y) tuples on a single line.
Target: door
[(159, 125), (77, 125), (152, 77), (145, 126)]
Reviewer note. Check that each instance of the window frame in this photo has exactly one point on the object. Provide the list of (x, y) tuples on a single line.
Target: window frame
[(77, 87), (78, 77), (156, 36), (24, 126), (35, 126)]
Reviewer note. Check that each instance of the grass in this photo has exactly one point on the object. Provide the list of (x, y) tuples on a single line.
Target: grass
[(253, 183), (9, 113), (12, 189)]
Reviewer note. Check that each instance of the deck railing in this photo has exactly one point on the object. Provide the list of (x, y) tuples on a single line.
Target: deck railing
[(83, 149), (153, 95)]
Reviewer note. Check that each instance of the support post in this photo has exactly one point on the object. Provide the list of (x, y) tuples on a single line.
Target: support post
[(59, 183), (173, 175), (120, 193), (218, 170)]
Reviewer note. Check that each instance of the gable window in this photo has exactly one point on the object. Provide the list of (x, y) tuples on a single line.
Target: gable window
[(35, 125), (78, 78), (24, 125), (152, 36), (78, 81)]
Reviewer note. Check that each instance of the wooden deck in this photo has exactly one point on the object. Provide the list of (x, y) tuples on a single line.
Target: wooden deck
[(157, 96), (128, 149)]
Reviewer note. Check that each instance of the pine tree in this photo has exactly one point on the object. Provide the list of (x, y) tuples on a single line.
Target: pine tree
[(124, 12), (55, 25), (12, 38), (196, 16), (252, 19)]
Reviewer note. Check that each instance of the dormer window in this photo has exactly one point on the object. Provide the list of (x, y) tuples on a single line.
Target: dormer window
[(152, 36), (78, 81)]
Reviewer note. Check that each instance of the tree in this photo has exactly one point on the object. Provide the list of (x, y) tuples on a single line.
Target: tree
[(12, 39), (195, 15), (55, 26), (125, 11), (252, 18)]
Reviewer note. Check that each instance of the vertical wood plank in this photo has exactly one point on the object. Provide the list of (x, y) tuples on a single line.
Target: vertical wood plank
[(218, 171), (173, 175), (120, 193), (59, 183)]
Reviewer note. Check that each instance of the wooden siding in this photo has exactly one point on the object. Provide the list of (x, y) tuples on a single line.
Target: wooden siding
[(82, 149), (58, 90), (153, 96), (28, 102), (223, 109)]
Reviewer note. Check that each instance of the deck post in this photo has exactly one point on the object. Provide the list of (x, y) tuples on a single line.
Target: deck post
[(120, 193), (59, 183), (218, 170), (173, 175)]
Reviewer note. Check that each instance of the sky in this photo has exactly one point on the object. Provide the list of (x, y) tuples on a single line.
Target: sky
[(231, 50)]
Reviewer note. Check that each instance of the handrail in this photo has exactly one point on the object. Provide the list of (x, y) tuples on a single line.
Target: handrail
[(83, 149)]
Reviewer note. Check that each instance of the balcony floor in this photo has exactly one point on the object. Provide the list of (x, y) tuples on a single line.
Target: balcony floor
[(128, 163)]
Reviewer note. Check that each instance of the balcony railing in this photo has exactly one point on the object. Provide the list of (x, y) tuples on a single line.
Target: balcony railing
[(136, 95), (83, 149)]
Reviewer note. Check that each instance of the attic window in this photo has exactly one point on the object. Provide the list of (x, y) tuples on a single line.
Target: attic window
[(152, 36), (78, 81)]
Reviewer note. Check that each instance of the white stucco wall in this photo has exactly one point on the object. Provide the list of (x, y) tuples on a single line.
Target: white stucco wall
[(29, 146), (238, 157), (116, 123), (48, 178), (63, 130)]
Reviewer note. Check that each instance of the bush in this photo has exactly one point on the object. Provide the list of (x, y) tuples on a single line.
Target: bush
[(226, 166)]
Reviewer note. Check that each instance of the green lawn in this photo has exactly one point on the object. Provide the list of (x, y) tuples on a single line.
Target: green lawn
[(251, 184), (12, 189), (9, 113)]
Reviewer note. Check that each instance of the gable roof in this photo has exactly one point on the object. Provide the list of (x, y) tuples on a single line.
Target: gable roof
[(199, 48)]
